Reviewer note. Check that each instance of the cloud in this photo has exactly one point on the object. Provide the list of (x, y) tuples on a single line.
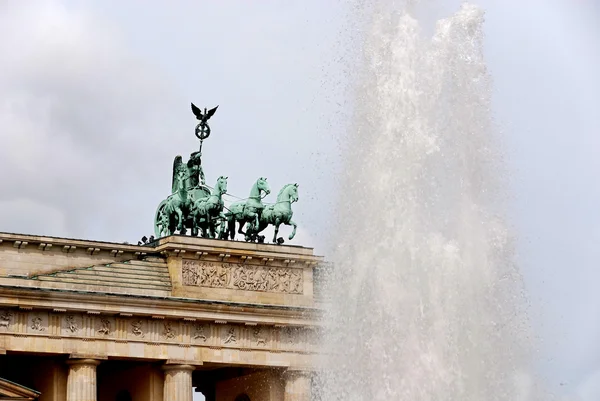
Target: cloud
[(32, 215), (589, 389), (81, 122), (95, 106)]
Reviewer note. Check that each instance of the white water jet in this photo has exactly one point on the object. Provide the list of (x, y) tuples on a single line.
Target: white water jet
[(425, 302)]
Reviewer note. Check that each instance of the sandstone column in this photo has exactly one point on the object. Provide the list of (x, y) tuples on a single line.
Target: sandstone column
[(81, 382), (178, 382), (297, 385)]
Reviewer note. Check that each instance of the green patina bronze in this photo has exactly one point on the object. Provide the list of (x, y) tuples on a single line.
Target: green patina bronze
[(196, 207), (277, 214), (207, 213), (248, 210)]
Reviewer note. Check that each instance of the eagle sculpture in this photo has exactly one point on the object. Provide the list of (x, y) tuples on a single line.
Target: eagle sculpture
[(203, 117)]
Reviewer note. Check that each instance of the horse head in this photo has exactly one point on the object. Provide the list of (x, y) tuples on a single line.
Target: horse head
[(288, 193), (294, 197), (221, 186), (263, 185)]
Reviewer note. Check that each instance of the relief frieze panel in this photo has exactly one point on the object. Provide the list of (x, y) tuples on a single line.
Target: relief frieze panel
[(72, 324), (6, 319), (38, 323), (242, 277), (105, 326), (230, 335), (155, 331), (259, 337), (137, 328), (169, 332), (201, 333)]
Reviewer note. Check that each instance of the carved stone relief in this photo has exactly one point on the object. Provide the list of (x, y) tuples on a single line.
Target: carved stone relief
[(105, 326), (242, 277), (37, 323), (72, 324), (230, 335), (137, 328), (287, 335), (201, 331), (169, 332), (259, 337), (5, 319)]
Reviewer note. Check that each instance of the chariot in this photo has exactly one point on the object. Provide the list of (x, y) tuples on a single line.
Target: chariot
[(194, 206)]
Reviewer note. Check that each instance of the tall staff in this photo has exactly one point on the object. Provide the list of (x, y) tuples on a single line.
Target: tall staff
[(202, 130)]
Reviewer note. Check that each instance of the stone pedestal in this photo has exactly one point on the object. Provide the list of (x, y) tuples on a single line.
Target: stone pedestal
[(178, 383), (297, 386), (81, 381)]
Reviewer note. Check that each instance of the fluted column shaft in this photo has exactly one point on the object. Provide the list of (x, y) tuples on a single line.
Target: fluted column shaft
[(297, 386), (81, 382), (178, 382)]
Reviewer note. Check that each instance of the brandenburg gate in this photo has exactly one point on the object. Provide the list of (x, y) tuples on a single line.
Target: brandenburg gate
[(238, 320)]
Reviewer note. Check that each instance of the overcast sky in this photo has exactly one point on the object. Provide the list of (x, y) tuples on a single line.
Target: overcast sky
[(94, 105)]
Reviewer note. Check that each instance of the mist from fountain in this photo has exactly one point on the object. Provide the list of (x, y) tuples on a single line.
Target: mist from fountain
[(424, 301)]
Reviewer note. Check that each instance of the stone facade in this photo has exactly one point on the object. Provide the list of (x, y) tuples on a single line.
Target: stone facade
[(187, 312)]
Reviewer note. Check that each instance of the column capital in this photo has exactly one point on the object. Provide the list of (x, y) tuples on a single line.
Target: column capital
[(179, 367), (178, 382), (84, 361)]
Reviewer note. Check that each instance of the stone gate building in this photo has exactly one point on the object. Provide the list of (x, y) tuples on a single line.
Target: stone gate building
[(86, 320)]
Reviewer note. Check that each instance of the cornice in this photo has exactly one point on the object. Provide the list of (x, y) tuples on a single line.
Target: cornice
[(175, 245)]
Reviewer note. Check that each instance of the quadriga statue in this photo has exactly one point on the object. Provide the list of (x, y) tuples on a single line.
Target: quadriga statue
[(194, 206)]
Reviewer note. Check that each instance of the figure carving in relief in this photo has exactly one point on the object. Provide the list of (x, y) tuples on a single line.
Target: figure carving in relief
[(284, 280), (199, 333), (262, 280), (296, 282), (104, 326), (136, 328), (258, 337), (72, 324), (5, 319), (36, 324), (288, 335), (169, 332), (272, 280), (189, 273), (222, 281), (201, 276), (242, 277), (210, 276), (230, 336)]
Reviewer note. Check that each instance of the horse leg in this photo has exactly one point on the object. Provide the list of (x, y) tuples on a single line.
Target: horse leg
[(231, 228), (256, 221), (194, 224), (240, 228), (183, 229), (249, 232), (179, 218), (211, 228), (276, 231), (219, 228), (293, 224)]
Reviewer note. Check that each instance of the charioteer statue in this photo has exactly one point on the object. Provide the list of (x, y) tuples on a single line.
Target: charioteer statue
[(195, 206)]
